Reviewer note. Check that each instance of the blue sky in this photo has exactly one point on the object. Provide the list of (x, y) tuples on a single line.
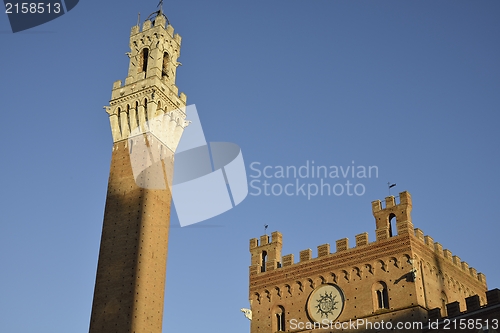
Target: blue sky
[(410, 87)]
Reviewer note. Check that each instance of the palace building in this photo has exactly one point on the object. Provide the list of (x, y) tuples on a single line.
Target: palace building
[(403, 281)]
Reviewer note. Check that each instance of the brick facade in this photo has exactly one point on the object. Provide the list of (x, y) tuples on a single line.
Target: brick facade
[(398, 277)]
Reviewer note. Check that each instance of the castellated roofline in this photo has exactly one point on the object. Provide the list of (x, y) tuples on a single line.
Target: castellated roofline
[(473, 306), (412, 241), (390, 201), (160, 21), (342, 248)]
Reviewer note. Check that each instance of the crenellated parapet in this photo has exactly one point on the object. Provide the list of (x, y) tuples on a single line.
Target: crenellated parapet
[(442, 256), (383, 215), (471, 311), (375, 256), (362, 244), (361, 253)]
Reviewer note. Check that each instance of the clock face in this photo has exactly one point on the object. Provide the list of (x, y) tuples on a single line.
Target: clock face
[(325, 302)]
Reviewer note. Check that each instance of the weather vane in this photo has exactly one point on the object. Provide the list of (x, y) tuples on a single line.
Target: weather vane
[(265, 228), (160, 4), (389, 185)]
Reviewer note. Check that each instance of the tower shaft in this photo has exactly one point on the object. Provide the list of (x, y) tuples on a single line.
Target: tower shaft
[(131, 270), (147, 118)]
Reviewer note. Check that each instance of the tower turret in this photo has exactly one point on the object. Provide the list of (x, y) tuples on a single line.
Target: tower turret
[(398, 213), (149, 91), (266, 256)]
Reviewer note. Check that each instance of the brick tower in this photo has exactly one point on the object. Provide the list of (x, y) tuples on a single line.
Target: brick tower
[(147, 120)]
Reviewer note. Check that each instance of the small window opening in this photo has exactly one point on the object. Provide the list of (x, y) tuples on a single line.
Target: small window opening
[(393, 231), (137, 113), (164, 70), (264, 259), (119, 120), (144, 60)]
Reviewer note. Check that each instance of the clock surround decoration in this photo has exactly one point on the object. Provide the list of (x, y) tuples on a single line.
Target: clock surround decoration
[(326, 302)]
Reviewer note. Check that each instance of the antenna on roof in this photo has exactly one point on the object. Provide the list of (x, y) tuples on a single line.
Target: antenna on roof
[(389, 185), (160, 5)]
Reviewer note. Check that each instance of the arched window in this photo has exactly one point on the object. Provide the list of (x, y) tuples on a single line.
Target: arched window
[(380, 296), (393, 231), (444, 301), (119, 121), (143, 65), (129, 117), (263, 263), (137, 113), (280, 319), (164, 70)]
